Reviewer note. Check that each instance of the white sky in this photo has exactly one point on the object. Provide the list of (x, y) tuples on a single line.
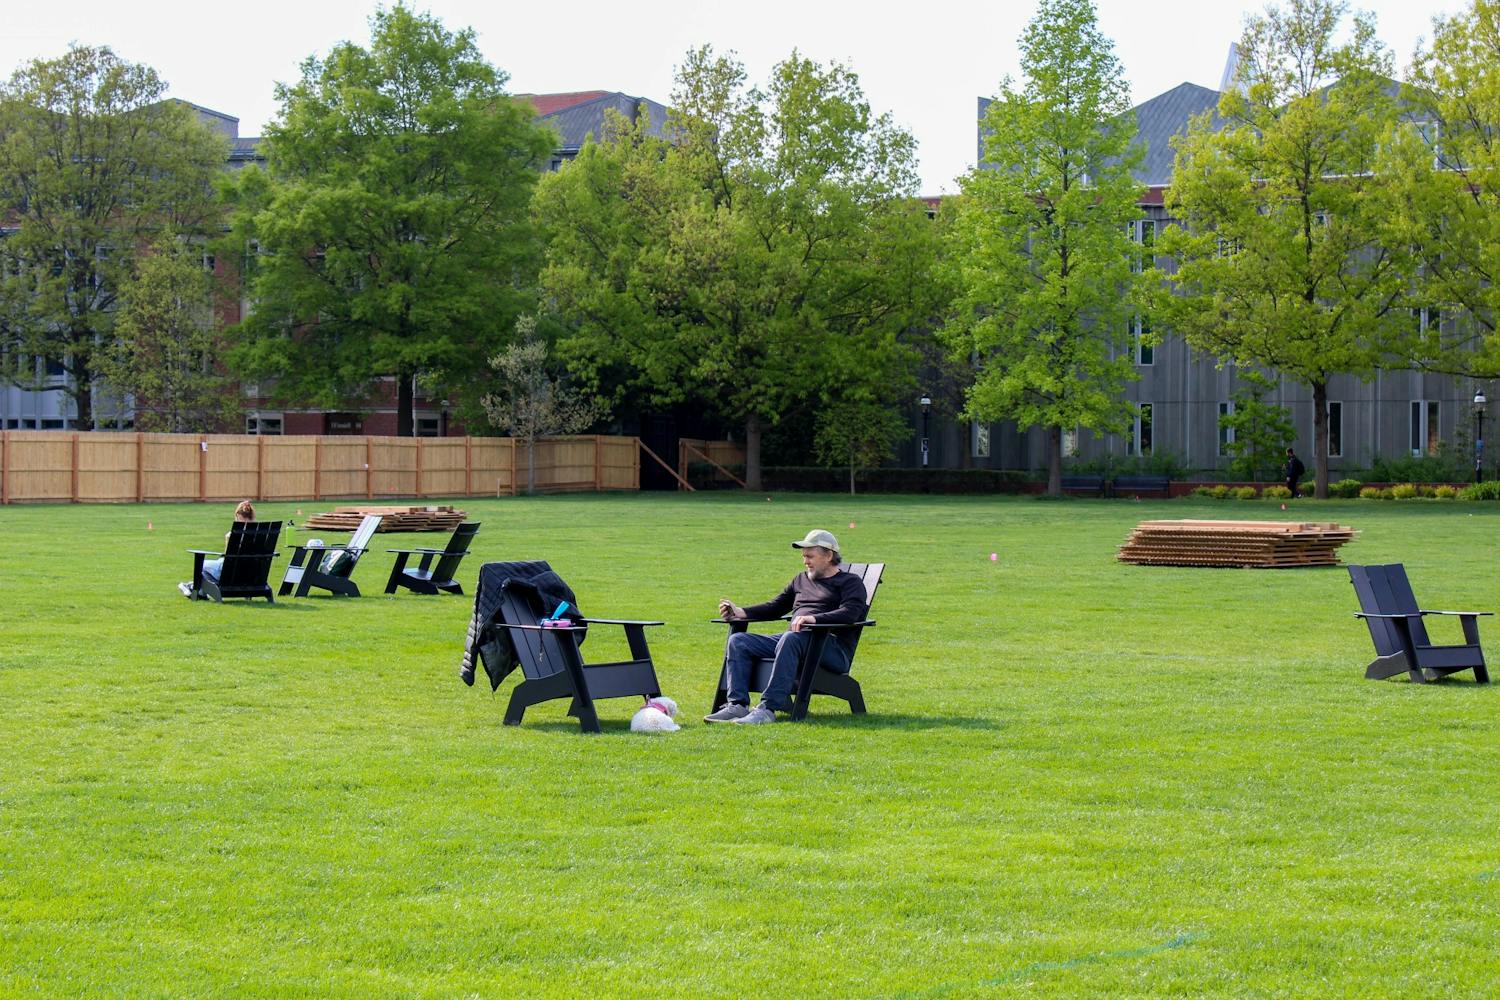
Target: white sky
[(923, 62)]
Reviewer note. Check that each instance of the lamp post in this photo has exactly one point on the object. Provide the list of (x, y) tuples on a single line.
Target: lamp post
[(926, 402), (1479, 402)]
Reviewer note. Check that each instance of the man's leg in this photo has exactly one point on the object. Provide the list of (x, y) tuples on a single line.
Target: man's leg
[(740, 654), (790, 648)]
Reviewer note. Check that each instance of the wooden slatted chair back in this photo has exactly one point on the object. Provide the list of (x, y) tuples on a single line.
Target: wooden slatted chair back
[(454, 551), (869, 574), (521, 607), (247, 555), (342, 563), (1385, 590)]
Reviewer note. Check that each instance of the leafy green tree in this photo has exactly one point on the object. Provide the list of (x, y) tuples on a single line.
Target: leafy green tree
[(1446, 162), (1039, 243), (1282, 256), (768, 248), (390, 229), (1262, 431), (95, 163), (533, 399), (166, 352), (859, 433)]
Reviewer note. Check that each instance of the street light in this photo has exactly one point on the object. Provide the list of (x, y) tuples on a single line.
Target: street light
[(926, 402), (1479, 402)]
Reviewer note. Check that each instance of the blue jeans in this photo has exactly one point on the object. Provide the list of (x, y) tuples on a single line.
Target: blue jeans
[(212, 568), (785, 651)]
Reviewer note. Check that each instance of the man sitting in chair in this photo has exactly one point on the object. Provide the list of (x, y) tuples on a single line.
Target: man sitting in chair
[(823, 595)]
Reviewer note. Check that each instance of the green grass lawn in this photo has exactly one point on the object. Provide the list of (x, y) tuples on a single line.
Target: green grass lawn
[(1076, 777)]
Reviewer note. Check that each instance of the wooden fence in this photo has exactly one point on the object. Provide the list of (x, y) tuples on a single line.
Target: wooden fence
[(104, 467)]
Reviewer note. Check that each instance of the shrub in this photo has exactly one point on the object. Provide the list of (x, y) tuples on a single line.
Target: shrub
[(1445, 493), (1219, 492), (1447, 465), (1275, 493), (894, 480), (1245, 492), (1424, 490), (1403, 491), (1308, 488), (1386, 494), (1203, 491), (1487, 490), (1158, 463), (1346, 488), (1369, 493)]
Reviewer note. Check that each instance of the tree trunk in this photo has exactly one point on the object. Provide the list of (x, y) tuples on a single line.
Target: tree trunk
[(1320, 439), (404, 401), (1054, 461), (83, 401), (752, 452)]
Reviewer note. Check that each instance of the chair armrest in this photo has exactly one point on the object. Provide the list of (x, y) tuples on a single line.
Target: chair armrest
[(864, 624), (204, 552), (1371, 614), (417, 552), (538, 628), (617, 621), (1426, 612)]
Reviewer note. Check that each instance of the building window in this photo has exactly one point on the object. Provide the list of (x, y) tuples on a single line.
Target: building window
[(1425, 422), (426, 427), (263, 423), (981, 440), (1141, 351), (1143, 231), (1335, 429), (1139, 442), (1226, 433)]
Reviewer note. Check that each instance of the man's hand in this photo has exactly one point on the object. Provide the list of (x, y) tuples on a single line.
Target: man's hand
[(801, 621), (728, 609)]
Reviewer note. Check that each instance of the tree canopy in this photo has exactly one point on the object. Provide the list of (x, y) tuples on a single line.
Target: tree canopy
[(95, 164), (764, 255), (1039, 243), (389, 234)]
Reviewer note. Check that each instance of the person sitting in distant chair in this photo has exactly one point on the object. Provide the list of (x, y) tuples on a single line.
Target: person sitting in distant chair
[(244, 513), (822, 595)]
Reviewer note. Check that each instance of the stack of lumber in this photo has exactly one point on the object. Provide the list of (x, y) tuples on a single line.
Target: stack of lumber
[(1252, 544), (391, 519)]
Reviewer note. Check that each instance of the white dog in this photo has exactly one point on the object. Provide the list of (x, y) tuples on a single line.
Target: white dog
[(655, 717)]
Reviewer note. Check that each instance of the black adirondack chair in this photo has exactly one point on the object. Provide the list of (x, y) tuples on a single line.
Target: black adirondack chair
[(1389, 608), (817, 680), (430, 578), (552, 665), (329, 567), (247, 563)]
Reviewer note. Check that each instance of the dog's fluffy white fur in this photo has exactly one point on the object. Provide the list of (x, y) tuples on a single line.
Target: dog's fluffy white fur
[(655, 717)]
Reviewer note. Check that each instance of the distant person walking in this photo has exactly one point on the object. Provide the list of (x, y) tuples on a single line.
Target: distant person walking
[(1294, 471)]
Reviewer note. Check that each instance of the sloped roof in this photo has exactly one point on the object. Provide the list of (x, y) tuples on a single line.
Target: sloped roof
[(1164, 116), (577, 121), (1157, 121), (547, 104)]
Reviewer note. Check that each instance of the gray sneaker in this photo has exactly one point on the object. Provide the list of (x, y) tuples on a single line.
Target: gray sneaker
[(756, 716), (731, 712)]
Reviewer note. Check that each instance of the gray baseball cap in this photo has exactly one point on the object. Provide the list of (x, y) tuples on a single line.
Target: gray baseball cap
[(820, 538)]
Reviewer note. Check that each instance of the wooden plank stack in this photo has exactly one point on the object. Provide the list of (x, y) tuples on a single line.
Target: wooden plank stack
[(426, 518), (1247, 544)]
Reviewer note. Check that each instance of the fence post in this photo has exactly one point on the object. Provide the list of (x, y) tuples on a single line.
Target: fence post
[(203, 471), (369, 472), (420, 449), (140, 467), (515, 487), (318, 467), (598, 462), (468, 465), (75, 467), (4, 466), (260, 466)]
